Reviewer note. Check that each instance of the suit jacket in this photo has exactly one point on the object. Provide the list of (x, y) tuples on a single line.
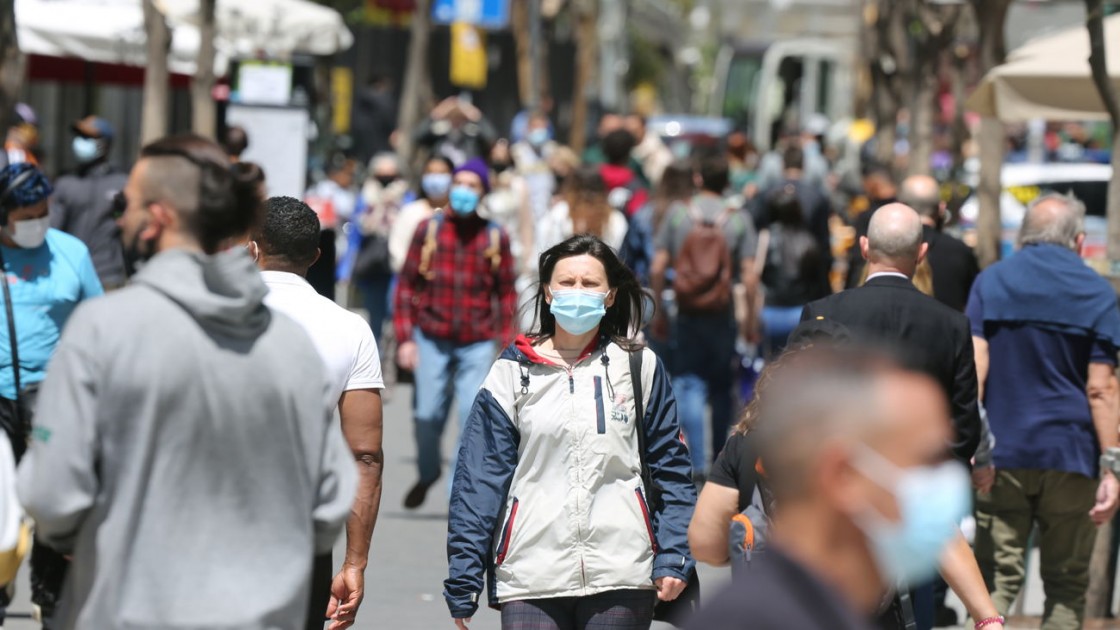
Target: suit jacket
[(927, 336)]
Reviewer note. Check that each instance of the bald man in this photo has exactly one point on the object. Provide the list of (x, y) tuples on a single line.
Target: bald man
[(953, 263), (888, 310), (927, 336)]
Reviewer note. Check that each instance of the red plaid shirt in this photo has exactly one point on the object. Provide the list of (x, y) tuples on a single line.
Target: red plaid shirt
[(458, 303)]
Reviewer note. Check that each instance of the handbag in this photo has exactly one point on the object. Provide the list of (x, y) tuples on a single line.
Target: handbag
[(678, 611), (372, 260)]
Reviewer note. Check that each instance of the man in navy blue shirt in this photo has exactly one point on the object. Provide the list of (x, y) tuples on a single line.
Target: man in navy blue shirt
[(1046, 329)]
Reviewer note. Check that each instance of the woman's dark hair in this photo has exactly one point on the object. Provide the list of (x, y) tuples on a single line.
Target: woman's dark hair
[(226, 203), (785, 208), (624, 316)]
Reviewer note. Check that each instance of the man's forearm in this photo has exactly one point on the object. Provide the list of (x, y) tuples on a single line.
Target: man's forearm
[(363, 515), (1105, 407), (362, 428)]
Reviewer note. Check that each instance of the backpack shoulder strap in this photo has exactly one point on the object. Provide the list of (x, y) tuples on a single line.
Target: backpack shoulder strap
[(640, 423), (494, 250), (429, 248)]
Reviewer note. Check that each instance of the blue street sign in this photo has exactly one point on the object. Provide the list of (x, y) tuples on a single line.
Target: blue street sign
[(491, 14)]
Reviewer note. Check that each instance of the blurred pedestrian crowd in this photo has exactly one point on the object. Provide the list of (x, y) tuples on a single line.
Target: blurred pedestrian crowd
[(800, 340)]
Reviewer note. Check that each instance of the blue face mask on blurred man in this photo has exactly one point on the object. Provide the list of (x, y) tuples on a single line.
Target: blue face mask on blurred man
[(464, 200)]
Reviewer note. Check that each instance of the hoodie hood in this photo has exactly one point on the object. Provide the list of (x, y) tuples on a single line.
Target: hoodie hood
[(223, 292)]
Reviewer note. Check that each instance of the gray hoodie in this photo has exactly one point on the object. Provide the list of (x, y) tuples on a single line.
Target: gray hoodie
[(183, 452)]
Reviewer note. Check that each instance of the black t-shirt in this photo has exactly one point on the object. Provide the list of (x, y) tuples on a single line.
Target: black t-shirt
[(734, 468)]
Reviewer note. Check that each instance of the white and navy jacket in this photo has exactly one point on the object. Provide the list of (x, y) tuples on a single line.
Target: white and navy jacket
[(547, 498)]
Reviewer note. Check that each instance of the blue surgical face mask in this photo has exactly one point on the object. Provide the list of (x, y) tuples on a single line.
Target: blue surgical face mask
[(539, 136), (464, 200), (86, 149), (931, 500), (436, 185), (578, 311)]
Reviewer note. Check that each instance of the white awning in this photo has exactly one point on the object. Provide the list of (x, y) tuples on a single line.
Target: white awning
[(112, 31), (1049, 77)]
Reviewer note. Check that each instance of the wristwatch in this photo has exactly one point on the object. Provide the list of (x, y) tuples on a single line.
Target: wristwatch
[(1111, 460)]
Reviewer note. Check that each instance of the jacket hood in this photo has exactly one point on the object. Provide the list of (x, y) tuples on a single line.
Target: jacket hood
[(223, 292), (523, 350)]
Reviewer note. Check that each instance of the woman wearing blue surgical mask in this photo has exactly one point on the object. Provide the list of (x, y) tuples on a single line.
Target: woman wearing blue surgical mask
[(435, 187), (548, 491)]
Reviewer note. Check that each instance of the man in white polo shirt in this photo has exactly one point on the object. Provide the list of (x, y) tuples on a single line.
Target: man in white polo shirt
[(285, 245)]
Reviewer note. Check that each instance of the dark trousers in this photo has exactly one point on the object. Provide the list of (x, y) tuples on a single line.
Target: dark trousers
[(322, 569), (630, 609)]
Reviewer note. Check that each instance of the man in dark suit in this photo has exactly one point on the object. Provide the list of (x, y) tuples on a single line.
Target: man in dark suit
[(888, 310), (953, 263), (927, 336)]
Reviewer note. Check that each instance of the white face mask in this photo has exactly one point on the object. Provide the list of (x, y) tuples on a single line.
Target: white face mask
[(31, 233)]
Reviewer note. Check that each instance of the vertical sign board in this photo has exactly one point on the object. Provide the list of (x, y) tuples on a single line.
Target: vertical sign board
[(277, 143), (487, 14)]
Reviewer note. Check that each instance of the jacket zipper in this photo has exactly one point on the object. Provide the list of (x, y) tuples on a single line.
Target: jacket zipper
[(600, 412), (507, 533), (646, 518)]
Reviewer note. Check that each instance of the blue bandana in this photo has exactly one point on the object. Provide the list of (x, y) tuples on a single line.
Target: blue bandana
[(31, 191)]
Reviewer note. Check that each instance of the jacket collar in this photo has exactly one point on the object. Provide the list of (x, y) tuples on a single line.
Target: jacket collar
[(897, 282), (524, 346)]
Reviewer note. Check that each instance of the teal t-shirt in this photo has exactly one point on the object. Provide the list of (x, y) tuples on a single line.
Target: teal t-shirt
[(47, 283)]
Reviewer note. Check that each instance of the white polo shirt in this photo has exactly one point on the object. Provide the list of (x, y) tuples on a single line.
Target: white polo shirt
[(343, 339)]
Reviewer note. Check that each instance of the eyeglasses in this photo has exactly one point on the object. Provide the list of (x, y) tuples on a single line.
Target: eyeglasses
[(120, 204)]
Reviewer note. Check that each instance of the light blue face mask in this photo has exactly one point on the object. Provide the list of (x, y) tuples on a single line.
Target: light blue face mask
[(464, 200), (539, 136), (578, 311), (86, 149), (436, 185), (931, 500)]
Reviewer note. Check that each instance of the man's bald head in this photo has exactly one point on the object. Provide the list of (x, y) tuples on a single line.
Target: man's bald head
[(894, 239), (922, 193), (1055, 219)]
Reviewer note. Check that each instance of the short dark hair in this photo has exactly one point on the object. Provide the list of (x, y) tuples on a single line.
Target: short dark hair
[(288, 232), (193, 175), (237, 140), (793, 157), (715, 173), (617, 146)]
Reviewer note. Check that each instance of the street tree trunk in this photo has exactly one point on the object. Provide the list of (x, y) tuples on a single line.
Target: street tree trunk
[(416, 96), (519, 20), (587, 62), (157, 93), (11, 62), (1098, 65), (1100, 577), (204, 111), (991, 17), (938, 29), (889, 57)]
